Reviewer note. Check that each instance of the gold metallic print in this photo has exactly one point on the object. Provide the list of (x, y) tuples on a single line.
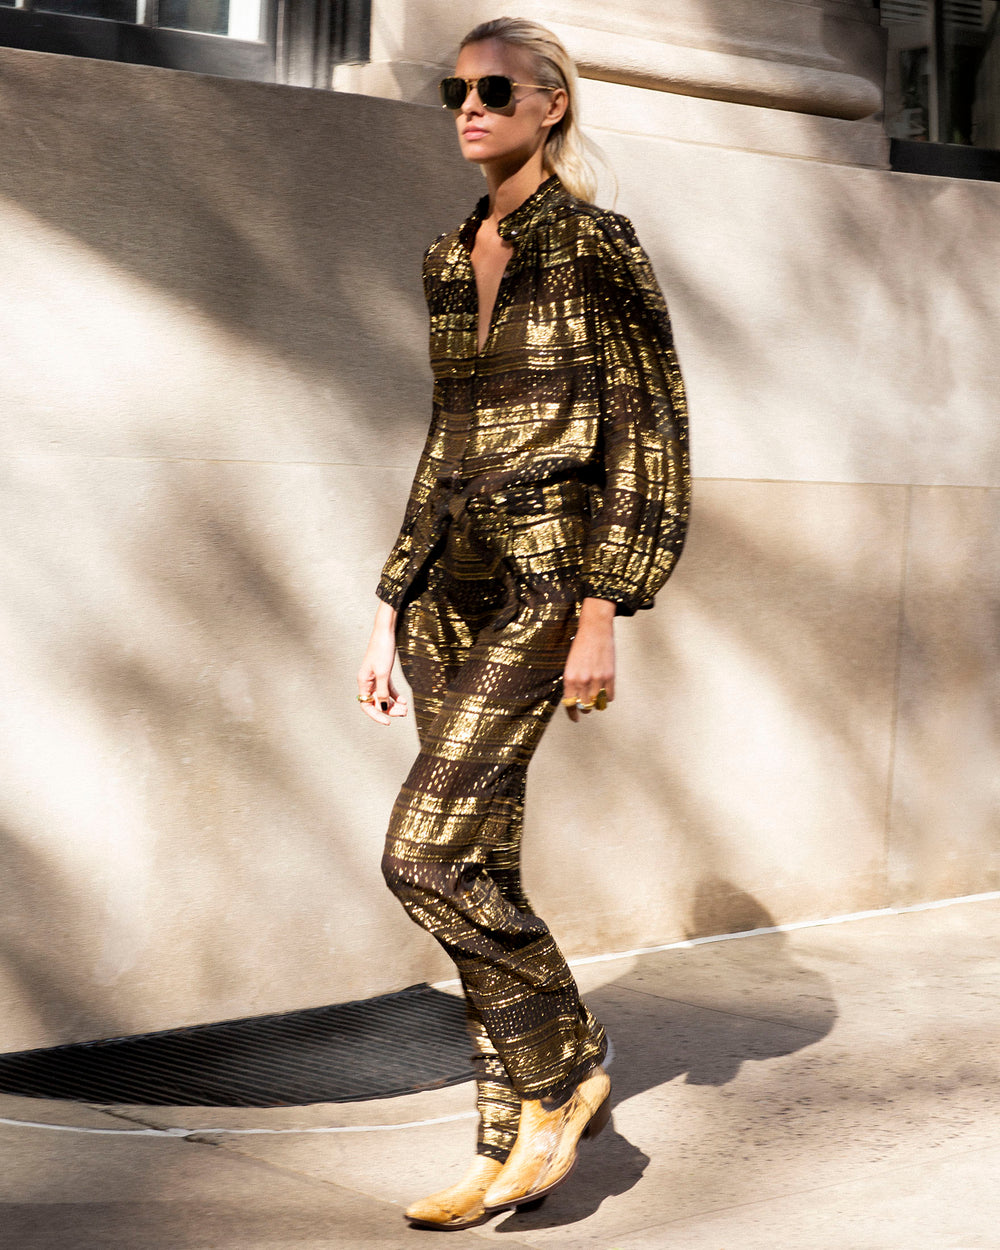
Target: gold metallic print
[(555, 468), (579, 376)]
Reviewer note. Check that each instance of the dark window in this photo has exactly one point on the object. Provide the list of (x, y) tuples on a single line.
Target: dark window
[(943, 86), (297, 41)]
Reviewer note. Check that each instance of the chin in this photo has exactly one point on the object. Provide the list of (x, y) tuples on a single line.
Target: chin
[(474, 151)]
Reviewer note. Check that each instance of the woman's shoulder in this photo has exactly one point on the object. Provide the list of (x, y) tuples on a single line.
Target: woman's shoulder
[(439, 248), (596, 229)]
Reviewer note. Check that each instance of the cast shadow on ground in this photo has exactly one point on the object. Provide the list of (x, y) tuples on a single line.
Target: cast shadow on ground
[(694, 1016)]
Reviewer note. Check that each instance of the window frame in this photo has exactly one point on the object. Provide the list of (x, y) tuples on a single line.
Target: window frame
[(936, 156), (301, 41)]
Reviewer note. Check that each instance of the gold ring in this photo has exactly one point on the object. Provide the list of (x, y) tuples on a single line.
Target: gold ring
[(586, 707), (362, 699), (570, 702), (601, 702)]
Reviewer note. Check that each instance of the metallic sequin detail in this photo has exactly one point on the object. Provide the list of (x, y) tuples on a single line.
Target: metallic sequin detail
[(578, 377), (484, 650), (555, 468)]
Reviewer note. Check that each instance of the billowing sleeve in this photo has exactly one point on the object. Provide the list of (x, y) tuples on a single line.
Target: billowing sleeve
[(637, 534), (396, 571)]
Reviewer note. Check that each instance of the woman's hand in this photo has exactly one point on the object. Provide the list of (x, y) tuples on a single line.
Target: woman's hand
[(376, 690), (590, 665)]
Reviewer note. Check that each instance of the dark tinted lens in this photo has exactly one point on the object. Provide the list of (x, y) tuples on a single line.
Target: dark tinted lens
[(453, 92), (495, 91)]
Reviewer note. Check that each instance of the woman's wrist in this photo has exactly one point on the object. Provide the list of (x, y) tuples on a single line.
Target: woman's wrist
[(385, 617), (597, 611)]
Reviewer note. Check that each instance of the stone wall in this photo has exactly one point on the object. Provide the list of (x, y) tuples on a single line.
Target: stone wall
[(214, 390)]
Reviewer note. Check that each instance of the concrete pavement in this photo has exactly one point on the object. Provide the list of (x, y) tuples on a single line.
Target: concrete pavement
[(832, 1088)]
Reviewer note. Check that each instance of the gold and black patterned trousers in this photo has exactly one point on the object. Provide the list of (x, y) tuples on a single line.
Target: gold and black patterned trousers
[(483, 642)]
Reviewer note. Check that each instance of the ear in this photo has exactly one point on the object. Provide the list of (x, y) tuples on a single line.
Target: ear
[(558, 104)]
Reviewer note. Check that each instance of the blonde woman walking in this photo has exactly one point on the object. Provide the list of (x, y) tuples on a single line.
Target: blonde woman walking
[(551, 497)]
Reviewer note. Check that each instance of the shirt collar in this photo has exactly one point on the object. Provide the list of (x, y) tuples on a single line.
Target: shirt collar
[(523, 219)]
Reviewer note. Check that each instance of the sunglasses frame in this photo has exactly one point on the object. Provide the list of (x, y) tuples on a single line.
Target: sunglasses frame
[(472, 84)]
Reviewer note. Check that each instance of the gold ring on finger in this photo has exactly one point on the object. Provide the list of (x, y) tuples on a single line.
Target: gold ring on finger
[(586, 707), (601, 702)]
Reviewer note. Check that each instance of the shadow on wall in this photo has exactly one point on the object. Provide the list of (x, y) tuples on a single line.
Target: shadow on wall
[(187, 784), (750, 737), (184, 616), (259, 206)]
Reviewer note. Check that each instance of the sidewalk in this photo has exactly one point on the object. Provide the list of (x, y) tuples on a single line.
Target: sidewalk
[(834, 1088)]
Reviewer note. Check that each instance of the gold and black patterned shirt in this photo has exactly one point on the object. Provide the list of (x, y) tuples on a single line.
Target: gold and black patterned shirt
[(578, 377)]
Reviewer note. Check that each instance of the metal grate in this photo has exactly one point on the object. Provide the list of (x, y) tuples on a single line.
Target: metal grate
[(377, 1048)]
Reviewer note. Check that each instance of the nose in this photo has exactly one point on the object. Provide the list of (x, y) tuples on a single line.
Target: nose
[(472, 102)]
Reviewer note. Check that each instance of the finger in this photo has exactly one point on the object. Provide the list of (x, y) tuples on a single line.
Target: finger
[(383, 699), (365, 694), (399, 707), (572, 713), (374, 711), (588, 699)]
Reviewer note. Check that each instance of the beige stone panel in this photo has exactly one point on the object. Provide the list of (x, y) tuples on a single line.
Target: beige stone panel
[(198, 267), (945, 830), (808, 302), (740, 779), (192, 804)]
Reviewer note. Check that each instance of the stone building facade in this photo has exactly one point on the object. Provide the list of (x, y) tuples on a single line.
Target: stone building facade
[(214, 391)]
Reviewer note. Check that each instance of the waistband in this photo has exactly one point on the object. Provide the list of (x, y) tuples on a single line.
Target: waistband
[(511, 484)]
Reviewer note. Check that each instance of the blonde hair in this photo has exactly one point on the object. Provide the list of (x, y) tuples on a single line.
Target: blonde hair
[(566, 148)]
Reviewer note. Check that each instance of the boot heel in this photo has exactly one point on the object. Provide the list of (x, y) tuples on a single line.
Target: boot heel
[(599, 1119)]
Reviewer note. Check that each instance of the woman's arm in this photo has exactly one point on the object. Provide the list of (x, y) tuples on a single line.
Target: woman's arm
[(637, 534), (376, 690)]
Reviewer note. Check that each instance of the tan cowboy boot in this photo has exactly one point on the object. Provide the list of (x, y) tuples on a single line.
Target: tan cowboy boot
[(461, 1205), (545, 1150)]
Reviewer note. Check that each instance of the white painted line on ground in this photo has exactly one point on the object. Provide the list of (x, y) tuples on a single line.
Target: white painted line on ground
[(241, 1132)]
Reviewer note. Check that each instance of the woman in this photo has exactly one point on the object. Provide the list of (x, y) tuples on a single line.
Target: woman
[(551, 496)]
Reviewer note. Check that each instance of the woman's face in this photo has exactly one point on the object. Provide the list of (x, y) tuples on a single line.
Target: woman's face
[(514, 133)]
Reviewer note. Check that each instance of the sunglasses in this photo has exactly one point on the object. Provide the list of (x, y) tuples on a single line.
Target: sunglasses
[(494, 90)]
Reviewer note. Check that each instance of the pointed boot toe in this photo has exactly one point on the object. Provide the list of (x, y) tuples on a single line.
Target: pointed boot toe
[(460, 1205)]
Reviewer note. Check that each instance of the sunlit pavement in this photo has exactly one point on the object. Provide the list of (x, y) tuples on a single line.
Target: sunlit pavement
[(830, 1088)]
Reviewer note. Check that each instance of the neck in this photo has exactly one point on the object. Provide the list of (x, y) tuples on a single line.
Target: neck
[(508, 189)]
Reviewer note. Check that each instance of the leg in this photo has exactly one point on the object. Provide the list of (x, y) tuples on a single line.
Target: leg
[(434, 643), (451, 821)]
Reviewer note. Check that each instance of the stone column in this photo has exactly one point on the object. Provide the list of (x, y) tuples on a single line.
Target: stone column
[(823, 57)]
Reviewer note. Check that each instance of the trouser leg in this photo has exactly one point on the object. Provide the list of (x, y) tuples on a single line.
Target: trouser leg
[(497, 1101), (451, 852), (438, 647)]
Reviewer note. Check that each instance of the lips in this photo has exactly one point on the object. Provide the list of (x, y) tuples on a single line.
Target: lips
[(474, 132)]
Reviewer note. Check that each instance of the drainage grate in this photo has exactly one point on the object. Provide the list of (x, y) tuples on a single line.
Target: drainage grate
[(377, 1048)]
